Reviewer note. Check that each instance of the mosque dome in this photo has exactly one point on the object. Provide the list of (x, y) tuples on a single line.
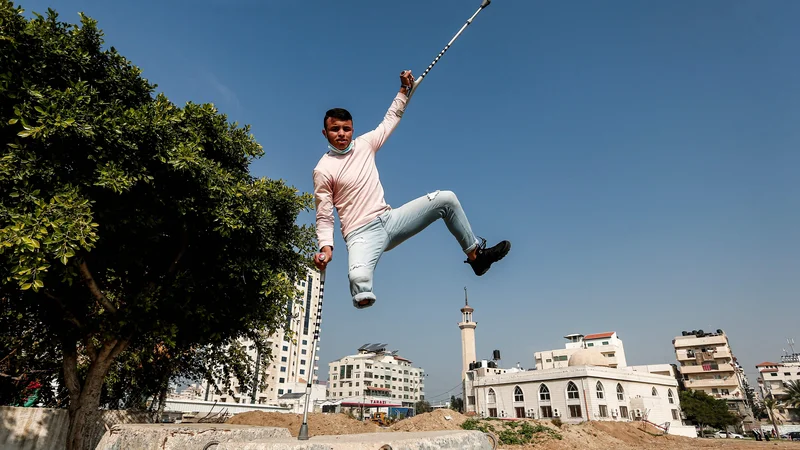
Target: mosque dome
[(587, 357)]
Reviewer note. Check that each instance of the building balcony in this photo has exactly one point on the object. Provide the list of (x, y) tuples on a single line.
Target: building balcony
[(712, 383), (721, 368), (710, 341), (731, 396)]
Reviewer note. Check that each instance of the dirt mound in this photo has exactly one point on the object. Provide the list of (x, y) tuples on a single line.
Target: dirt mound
[(432, 421), (318, 423)]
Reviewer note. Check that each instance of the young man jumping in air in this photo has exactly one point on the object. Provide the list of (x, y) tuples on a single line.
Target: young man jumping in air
[(346, 178)]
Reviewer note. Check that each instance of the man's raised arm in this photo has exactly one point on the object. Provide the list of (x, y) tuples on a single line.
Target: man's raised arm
[(323, 199), (380, 135)]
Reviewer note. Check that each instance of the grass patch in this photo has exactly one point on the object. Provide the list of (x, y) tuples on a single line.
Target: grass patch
[(512, 432)]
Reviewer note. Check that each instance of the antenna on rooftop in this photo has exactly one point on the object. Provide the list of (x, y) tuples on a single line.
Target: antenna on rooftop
[(791, 344)]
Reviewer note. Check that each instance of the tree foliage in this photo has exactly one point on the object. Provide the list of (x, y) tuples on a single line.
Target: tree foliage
[(132, 235), (422, 406), (705, 410), (457, 403), (792, 399)]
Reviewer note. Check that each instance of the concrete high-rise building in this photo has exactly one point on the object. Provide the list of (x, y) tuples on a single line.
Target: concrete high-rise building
[(374, 378), (609, 345), (287, 374), (707, 364), (467, 327)]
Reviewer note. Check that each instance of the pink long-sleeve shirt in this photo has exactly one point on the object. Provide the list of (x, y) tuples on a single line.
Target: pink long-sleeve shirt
[(350, 182)]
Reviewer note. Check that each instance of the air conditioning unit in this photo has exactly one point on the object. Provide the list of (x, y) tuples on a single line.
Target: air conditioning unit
[(556, 413)]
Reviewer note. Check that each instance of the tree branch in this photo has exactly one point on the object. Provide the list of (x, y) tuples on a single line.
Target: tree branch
[(184, 245), (92, 285), (68, 316), (70, 364), (91, 349)]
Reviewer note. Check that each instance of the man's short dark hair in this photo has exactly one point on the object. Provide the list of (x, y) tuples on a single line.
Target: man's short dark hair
[(336, 113)]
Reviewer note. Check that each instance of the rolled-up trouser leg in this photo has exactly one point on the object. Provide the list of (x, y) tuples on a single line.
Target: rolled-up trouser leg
[(364, 247)]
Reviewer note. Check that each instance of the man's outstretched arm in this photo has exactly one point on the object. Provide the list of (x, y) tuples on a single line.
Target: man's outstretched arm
[(323, 199), (380, 135)]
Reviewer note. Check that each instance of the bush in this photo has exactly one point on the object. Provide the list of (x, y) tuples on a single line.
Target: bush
[(557, 422)]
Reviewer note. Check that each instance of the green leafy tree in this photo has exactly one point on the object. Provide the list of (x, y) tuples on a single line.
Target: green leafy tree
[(131, 232), (457, 403), (422, 406), (706, 410), (770, 404)]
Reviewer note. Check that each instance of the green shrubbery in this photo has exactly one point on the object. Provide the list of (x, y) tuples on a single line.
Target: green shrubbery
[(512, 432)]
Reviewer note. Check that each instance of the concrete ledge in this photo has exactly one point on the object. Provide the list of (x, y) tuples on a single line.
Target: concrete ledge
[(429, 440), (182, 436)]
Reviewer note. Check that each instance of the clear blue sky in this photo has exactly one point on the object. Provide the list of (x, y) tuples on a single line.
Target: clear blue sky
[(642, 157)]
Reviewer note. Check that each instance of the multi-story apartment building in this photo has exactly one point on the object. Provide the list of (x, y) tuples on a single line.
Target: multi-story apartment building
[(288, 371), (375, 377), (707, 364), (609, 344), (773, 379)]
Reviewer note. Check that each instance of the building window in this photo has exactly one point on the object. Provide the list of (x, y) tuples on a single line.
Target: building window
[(572, 392), (605, 342), (674, 414), (283, 359), (283, 369), (518, 397), (623, 411), (603, 411), (600, 393), (654, 392), (492, 412), (544, 393), (575, 410), (280, 391), (547, 411), (283, 380), (669, 396), (303, 372), (520, 412), (620, 393), (590, 344)]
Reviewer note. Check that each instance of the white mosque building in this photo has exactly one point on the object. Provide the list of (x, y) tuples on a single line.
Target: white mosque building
[(590, 385)]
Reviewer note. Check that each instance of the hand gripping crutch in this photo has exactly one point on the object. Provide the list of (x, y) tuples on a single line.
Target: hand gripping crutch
[(303, 435)]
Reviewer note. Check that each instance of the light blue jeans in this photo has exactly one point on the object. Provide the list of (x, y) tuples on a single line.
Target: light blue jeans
[(366, 244)]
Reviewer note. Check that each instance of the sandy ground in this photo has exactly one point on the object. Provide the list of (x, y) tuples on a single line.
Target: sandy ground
[(589, 436)]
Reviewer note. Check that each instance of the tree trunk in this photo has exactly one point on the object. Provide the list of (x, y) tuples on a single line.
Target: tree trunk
[(84, 399)]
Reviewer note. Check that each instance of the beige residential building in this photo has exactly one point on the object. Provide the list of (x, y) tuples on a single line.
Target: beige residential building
[(772, 381), (707, 364), (374, 377), (287, 374), (609, 344)]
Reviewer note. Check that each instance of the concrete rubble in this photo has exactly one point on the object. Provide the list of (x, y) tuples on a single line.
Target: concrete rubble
[(244, 437), (183, 436), (427, 440)]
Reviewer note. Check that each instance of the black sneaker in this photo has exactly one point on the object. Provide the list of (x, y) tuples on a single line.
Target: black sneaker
[(485, 257)]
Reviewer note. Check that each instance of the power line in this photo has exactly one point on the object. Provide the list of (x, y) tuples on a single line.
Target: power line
[(445, 393)]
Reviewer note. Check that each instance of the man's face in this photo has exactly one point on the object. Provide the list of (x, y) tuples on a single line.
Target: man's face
[(338, 132)]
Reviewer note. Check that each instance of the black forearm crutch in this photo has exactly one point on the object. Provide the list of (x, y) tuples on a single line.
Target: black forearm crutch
[(303, 435)]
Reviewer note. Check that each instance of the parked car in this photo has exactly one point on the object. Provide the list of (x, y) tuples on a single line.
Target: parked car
[(727, 435), (792, 436)]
